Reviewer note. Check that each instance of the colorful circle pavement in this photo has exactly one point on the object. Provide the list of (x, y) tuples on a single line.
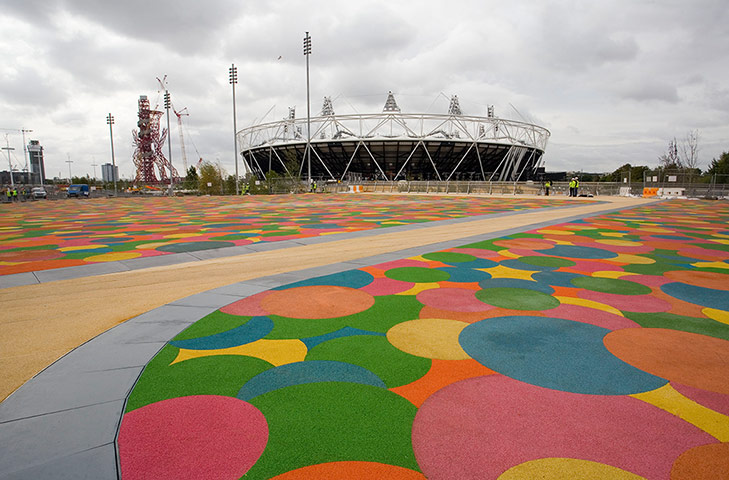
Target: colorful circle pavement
[(597, 348), (46, 235)]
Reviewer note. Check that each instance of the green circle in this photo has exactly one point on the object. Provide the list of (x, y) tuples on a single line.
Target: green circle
[(417, 274), (517, 298), (610, 285), (449, 257), (544, 261)]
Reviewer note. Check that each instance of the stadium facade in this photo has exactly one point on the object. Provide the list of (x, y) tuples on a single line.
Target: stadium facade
[(393, 145)]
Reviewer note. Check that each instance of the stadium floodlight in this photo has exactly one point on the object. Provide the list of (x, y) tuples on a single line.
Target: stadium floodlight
[(307, 52), (168, 104), (110, 121), (233, 79)]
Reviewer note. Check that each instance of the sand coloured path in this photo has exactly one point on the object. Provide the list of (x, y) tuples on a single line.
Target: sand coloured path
[(42, 322)]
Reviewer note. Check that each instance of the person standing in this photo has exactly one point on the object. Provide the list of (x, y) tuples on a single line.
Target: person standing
[(572, 187), (15, 194), (547, 186), (577, 185)]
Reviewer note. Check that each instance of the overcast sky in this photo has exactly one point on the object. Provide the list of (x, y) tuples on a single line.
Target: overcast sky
[(614, 81)]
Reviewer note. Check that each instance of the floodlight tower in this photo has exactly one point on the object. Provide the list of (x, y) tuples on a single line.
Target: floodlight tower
[(110, 121), (10, 164), (233, 80), (169, 143), (25, 154), (307, 52)]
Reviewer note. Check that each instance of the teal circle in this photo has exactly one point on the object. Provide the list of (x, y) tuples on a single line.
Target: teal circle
[(545, 261), (193, 246)]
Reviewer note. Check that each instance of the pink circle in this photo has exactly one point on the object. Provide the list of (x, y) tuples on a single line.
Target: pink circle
[(628, 303), (454, 299), (481, 427), (599, 318), (709, 255), (202, 436), (648, 280), (476, 252), (386, 286), (249, 306)]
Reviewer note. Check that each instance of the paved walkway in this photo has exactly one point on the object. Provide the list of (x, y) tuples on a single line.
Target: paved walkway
[(65, 420)]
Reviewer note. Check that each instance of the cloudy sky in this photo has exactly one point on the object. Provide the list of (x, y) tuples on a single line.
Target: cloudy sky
[(614, 81)]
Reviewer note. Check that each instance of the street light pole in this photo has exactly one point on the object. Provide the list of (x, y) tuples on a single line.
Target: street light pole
[(25, 154), (69, 161), (110, 121), (233, 80), (10, 165), (307, 52), (169, 145)]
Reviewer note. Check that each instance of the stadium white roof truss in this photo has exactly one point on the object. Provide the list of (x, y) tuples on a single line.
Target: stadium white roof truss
[(354, 137)]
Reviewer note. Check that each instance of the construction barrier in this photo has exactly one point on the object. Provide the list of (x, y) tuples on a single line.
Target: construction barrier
[(355, 188), (650, 192)]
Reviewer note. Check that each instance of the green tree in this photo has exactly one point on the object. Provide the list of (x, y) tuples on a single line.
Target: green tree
[(720, 168), (191, 179), (210, 179)]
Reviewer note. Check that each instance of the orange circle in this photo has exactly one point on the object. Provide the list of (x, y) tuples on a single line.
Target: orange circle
[(317, 301), (30, 255), (704, 461), (525, 243), (351, 469), (717, 281), (688, 358)]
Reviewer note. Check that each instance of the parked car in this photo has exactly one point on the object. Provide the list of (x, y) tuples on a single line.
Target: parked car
[(38, 192), (80, 190)]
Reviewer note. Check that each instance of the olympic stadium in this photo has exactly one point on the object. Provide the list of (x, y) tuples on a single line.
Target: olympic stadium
[(393, 145)]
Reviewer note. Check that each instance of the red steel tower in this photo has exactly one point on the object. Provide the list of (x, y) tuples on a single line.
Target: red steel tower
[(149, 142)]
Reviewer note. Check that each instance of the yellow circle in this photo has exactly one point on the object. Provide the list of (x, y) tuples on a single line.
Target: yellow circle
[(113, 257), (632, 259), (620, 243), (561, 468), (715, 314), (151, 246), (429, 338), (82, 247), (182, 235)]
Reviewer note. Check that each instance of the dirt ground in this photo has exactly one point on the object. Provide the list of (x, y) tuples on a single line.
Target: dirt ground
[(40, 323)]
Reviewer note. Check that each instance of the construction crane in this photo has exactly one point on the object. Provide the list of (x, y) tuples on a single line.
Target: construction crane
[(179, 114)]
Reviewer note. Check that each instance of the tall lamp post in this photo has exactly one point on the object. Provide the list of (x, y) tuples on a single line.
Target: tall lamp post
[(10, 165), (307, 52), (25, 154), (110, 121), (169, 145), (233, 80)]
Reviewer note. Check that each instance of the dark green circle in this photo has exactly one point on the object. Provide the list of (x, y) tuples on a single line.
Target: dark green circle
[(449, 257), (544, 261), (417, 274), (517, 298), (610, 285)]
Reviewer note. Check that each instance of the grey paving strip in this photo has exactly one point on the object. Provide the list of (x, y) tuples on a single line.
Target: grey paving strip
[(67, 273), (63, 423)]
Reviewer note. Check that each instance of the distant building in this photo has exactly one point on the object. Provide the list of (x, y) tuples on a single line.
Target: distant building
[(37, 167), (109, 173)]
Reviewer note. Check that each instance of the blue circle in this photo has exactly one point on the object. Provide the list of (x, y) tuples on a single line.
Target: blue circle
[(573, 251), (516, 283), (465, 275), (554, 353), (349, 278), (706, 297), (517, 264)]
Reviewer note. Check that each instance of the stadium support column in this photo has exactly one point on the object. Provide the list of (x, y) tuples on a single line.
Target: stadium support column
[(233, 80), (307, 52)]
